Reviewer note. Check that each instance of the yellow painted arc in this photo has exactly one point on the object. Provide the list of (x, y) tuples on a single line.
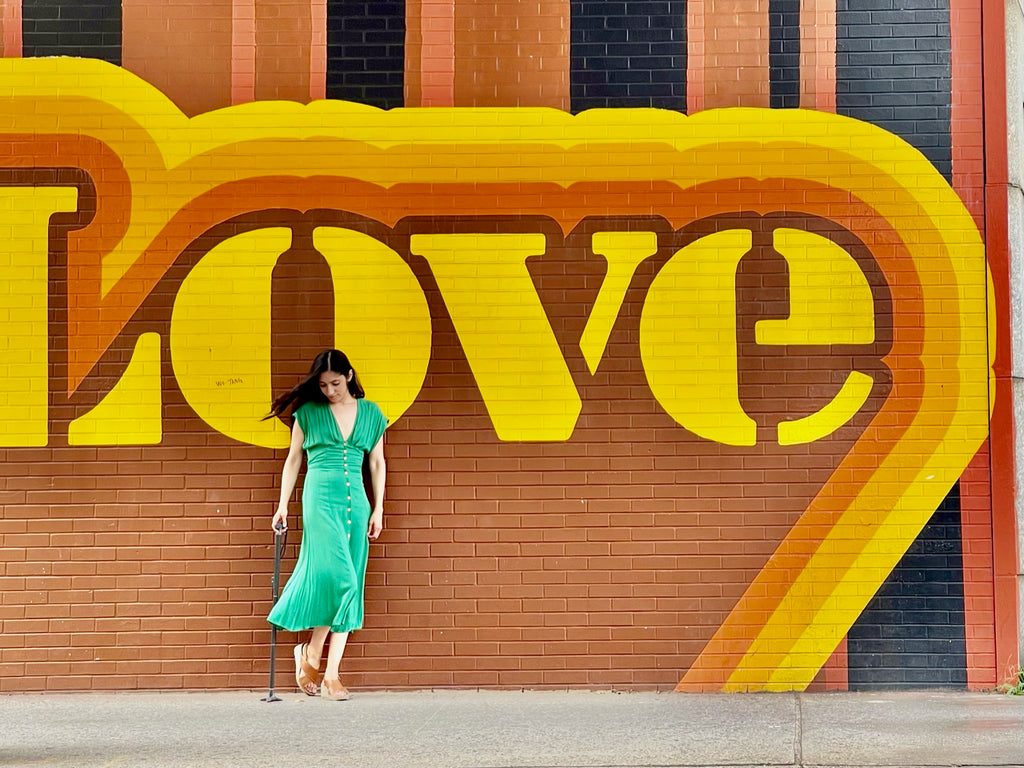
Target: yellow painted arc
[(130, 413), (58, 95), (688, 338), (876, 529), (835, 586), (829, 297), (855, 587), (855, 573), (850, 399), (220, 337), (945, 249), (381, 317), (623, 252)]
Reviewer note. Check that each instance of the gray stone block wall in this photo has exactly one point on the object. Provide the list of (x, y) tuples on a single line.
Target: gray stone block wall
[(1015, 193)]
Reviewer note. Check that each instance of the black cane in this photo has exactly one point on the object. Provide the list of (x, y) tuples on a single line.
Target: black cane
[(280, 540)]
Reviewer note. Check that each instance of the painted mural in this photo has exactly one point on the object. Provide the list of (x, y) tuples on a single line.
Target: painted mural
[(695, 382)]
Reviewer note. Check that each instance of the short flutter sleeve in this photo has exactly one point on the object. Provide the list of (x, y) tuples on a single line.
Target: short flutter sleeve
[(374, 422), (313, 417)]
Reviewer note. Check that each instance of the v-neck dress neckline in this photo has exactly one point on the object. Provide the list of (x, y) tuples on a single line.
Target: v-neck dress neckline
[(337, 425)]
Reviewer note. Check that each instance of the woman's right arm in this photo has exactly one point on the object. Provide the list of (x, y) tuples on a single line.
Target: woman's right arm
[(289, 475)]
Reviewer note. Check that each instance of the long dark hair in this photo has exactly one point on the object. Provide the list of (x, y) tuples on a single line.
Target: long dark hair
[(309, 388)]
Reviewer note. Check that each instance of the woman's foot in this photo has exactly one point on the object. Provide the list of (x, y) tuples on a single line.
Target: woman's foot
[(333, 690), (305, 673)]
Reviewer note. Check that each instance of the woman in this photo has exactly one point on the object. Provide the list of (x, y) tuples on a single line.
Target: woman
[(337, 428)]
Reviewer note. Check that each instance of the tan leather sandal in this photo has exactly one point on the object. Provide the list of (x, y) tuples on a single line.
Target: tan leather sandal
[(333, 691), (306, 676)]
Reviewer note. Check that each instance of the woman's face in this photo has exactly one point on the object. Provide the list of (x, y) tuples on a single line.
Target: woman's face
[(334, 385)]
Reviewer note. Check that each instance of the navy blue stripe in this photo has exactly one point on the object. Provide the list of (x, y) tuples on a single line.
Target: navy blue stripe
[(912, 633), (628, 54), (86, 28), (366, 52), (893, 70), (784, 52)]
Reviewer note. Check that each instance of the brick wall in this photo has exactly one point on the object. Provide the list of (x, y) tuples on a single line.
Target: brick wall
[(631, 550)]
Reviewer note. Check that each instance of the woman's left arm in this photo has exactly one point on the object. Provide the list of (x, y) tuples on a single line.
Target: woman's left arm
[(378, 471)]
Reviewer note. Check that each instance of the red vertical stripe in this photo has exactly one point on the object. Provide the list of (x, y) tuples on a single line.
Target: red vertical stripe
[(818, 55), (318, 49), (243, 51), (694, 56), (1004, 522), (184, 50), (835, 675), (967, 129), (12, 28), (979, 599), (967, 122), (437, 54)]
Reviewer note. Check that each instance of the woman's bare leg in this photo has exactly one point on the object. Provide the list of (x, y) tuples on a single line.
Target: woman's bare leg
[(337, 650), (315, 649)]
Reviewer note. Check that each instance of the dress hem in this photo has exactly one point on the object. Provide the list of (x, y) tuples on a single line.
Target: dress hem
[(333, 628)]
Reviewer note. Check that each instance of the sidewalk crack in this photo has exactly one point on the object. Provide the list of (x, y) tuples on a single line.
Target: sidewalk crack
[(798, 747)]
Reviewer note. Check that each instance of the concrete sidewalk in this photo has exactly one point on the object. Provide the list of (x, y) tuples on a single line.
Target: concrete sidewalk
[(510, 728)]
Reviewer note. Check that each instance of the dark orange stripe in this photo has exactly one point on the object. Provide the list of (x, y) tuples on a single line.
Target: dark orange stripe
[(282, 50), (184, 50), (511, 53), (411, 93), (98, 319)]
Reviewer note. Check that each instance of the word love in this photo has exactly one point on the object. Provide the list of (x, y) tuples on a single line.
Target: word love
[(221, 321)]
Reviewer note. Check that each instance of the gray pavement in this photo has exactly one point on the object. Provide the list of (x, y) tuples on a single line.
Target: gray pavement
[(499, 729)]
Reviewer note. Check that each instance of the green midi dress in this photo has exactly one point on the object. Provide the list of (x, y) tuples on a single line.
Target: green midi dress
[(326, 586)]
